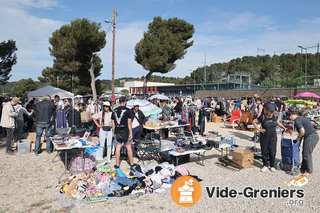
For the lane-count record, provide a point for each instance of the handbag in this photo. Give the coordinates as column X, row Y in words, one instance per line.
column 106, row 128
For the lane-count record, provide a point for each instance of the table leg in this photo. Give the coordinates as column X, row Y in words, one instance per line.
column 82, row 161
column 55, row 157
column 203, row 158
column 66, row 165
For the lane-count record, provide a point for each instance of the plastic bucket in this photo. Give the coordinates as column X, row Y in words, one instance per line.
column 24, row 146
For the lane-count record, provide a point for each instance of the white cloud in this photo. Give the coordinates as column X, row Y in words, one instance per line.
column 46, row 4
column 219, row 37
column 222, row 22
column 248, row 20
column 31, row 35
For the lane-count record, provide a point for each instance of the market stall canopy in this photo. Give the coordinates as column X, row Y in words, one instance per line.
column 145, row 106
column 52, row 91
column 108, row 94
column 301, row 102
column 159, row 96
column 78, row 96
column 307, row 95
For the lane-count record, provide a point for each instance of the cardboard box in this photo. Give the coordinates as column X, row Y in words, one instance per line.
column 30, row 135
column 94, row 139
column 43, row 145
column 216, row 119
column 243, row 157
column 86, row 117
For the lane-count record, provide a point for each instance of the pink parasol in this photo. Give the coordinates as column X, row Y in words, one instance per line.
column 307, row 95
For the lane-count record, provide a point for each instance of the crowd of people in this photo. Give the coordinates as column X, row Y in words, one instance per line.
column 123, row 126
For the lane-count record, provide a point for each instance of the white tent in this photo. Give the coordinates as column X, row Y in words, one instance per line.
column 52, row 91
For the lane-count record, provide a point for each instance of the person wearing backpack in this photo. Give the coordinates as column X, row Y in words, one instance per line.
column 268, row 136
column 139, row 119
column 122, row 126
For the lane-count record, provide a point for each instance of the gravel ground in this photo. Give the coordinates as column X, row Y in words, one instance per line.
column 26, row 181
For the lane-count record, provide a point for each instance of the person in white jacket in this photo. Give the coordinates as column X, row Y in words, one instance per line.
column 9, row 115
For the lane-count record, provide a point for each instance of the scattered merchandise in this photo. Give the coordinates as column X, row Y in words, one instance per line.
column 103, row 183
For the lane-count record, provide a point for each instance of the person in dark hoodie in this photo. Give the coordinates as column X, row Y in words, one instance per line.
column 139, row 119
column 178, row 107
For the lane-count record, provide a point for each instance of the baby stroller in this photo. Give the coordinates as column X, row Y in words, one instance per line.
column 290, row 156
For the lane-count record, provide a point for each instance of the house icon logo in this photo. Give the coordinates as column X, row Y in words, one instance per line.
column 186, row 191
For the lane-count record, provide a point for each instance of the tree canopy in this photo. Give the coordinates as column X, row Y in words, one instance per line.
column 287, row 71
column 75, row 50
column 23, row 87
column 163, row 44
column 8, row 58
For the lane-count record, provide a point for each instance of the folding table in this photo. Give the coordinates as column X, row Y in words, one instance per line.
column 65, row 148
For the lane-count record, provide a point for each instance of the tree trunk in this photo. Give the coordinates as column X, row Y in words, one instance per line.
column 93, row 79
column 145, row 84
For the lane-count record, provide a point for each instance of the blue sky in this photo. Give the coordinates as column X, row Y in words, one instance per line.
column 223, row 29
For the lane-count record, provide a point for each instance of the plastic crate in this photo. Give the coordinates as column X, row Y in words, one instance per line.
column 24, row 146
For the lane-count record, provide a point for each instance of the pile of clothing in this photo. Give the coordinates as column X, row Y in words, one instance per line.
column 104, row 183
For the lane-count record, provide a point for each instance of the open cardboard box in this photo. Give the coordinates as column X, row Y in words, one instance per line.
column 243, row 157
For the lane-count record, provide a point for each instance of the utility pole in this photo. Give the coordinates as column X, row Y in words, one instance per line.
column 205, row 70
column 113, row 48
column 318, row 65
column 274, row 66
column 234, row 74
column 218, row 77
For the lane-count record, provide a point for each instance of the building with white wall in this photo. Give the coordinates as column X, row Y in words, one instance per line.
column 136, row 87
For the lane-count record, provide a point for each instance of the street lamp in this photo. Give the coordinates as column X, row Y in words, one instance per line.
column 194, row 83
column 305, row 71
column 113, row 48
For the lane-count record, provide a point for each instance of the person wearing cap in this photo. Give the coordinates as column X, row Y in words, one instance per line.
column 268, row 136
column 310, row 139
column 105, row 131
column 8, row 121
column 139, row 119
column 122, row 126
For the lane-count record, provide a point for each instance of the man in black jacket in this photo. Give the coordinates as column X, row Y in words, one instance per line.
column 44, row 112
column 139, row 119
